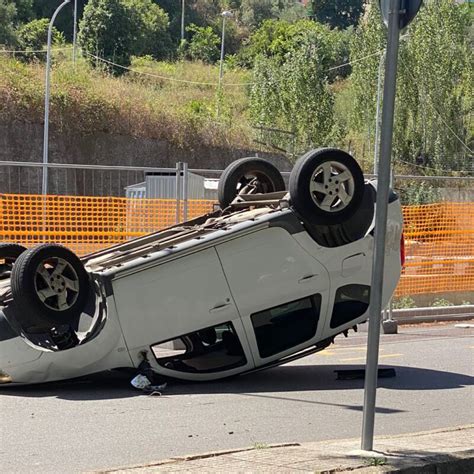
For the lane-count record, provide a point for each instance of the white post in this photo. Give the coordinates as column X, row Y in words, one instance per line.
column 182, row 20
column 44, row 188
column 74, row 35
column 224, row 14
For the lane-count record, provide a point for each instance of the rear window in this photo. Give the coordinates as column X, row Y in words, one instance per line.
column 285, row 326
column 350, row 302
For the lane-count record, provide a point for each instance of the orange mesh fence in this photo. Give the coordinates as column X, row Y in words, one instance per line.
column 439, row 237
column 439, row 245
column 86, row 224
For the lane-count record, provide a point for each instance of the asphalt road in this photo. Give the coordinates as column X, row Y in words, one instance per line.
column 100, row 423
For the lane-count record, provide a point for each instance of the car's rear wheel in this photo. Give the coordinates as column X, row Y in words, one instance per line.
column 50, row 286
column 9, row 252
column 326, row 186
column 248, row 176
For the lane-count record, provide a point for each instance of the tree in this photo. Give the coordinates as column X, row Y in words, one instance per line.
column 434, row 85
column 337, row 13
column 24, row 11
column 108, row 30
column 34, row 36
column 64, row 21
column 7, row 18
column 290, row 91
column 204, row 44
column 151, row 24
column 117, row 29
column 278, row 38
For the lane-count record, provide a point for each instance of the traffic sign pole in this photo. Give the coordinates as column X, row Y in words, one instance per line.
column 381, row 209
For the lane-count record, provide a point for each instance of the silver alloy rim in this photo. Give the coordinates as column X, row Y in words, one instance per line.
column 56, row 284
column 332, row 186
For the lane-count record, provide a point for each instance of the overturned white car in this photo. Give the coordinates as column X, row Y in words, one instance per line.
column 269, row 277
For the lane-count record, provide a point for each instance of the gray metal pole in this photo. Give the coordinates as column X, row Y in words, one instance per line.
column 221, row 64
column 185, row 191
column 74, row 35
column 44, row 188
column 178, row 191
column 182, row 19
column 380, row 227
column 377, row 115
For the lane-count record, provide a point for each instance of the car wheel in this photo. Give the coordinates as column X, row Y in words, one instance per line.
column 248, row 176
column 8, row 254
column 49, row 285
column 326, row 186
column 354, row 228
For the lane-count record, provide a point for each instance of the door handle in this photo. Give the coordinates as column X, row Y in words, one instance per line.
column 219, row 307
column 307, row 278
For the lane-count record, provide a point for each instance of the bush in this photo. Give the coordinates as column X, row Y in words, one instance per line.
column 204, row 44
column 34, row 36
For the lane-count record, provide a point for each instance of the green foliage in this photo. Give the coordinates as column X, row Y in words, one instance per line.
column 441, row 302
column 204, row 44
column 278, row 38
column 337, row 13
column 34, row 36
column 434, row 85
column 151, row 27
column 24, row 10
column 293, row 94
column 7, row 18
column 64, row 21
column 108, row 30
column 418, row 192
column 404, row 302
column 254, row 12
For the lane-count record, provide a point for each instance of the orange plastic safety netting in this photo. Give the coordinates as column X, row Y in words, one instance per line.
column 439, row 246
column 439, row 237
column 86, row 224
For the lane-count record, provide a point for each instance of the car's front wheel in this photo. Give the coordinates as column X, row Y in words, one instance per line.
column 326, row 186
column 50, row 286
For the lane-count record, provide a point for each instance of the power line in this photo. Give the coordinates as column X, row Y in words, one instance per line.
column 237, row 84
column 441, row 170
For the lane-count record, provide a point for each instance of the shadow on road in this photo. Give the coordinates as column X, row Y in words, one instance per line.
column 289, row 378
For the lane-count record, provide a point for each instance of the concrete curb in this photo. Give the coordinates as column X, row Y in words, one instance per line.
column 433, row 314
column 442, row 451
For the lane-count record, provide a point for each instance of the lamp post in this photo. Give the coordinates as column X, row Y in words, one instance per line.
column 74, row 35
column 44, row 187
column 182, row 20
column 225, row 14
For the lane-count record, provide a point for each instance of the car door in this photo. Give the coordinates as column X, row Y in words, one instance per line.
column 184, row 303
column 280, row 291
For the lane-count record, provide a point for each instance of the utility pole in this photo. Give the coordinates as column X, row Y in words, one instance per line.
column 182, row 19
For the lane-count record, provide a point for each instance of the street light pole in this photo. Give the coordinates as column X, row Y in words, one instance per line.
column 74, row 35
column 182, row 20
column 224, row 14
column 44, row 187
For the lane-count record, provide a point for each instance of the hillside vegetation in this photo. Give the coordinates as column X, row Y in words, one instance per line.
column 86, row 100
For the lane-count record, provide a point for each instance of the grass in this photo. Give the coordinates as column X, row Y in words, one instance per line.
column 87, row 100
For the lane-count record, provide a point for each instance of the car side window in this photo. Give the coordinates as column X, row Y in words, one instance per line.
column 350, row 302
column 287, row 325
column 208, row 350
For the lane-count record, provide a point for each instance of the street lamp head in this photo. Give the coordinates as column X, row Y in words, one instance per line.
column 227, row 14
